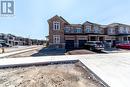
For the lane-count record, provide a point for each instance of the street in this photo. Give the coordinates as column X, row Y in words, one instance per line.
column 38, row 50
column 23, row 51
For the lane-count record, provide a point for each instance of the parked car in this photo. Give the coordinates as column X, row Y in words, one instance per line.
column 123, row 46
column 5, row 45
column 94, row 45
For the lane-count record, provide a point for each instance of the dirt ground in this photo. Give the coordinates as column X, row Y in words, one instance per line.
column 63, row 75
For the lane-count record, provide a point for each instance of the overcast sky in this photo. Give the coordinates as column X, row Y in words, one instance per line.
column 31, row 16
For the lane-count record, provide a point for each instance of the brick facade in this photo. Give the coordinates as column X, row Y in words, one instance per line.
column 76, row 34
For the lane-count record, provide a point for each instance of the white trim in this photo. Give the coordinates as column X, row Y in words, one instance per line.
column 88, row 29
column 56, row 39
column 56, row 25
column 121, row 29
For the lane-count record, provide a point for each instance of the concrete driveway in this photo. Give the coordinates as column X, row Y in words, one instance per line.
column 113, row 69
column 79, row 52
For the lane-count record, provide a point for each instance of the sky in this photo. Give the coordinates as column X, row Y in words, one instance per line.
column 30, row 19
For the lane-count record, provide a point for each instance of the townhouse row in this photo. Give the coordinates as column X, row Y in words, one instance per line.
column 62, row 34
column 13, row 40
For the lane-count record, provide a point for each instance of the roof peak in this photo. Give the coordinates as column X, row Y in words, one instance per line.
column 60, row 17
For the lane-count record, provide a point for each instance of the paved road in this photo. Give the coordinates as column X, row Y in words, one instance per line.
column 115, row 50
column 105, row 51
column 16, row 48
column 50, row 52
column 79, row 52
column 20, row 51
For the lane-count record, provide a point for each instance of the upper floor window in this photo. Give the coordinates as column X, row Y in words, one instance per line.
column 67, row 29
column 88, row 29
column 56, row 25
column 72, row 31
column 126, row 30
column 121, row 30
column 96, row 29
column 111, row 31
column 78, row 30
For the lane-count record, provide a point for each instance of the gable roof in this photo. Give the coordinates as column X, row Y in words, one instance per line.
column 64, row 19
column 59, row 17
column 90, row 23
column 117, row 24
column 103, row 26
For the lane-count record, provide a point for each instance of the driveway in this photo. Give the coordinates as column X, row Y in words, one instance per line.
column 79, row 52
column 50, row 52
column 115, row 50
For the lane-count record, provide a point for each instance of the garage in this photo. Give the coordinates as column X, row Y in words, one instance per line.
column 81, row 43
column 93, row 38
column 101, row 39
column 69, row 44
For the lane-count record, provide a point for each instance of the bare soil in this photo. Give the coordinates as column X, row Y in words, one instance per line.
column 62, row 75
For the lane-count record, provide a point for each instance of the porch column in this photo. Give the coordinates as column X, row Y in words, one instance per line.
column 76, row 42
column 98, row 38
column 122, row 38
column 88, row 38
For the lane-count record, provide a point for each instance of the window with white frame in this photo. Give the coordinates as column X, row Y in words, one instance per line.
column 96, row 29
column 67, row 29
column 111, row 31
column 121, row 30
column 78, row 30
column 72, row 31
column 88, row 29
column 56, row 25
column 56, row 39
column 126, row 30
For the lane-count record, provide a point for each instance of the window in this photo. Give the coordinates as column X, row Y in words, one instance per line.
column 126, row 30
column 88, row 29
column 56, row 25
column 78, row 30
column 72, row 31
column 56, row 39
column 121, row 30
column 67, row 29
column 110, row 30
column 96, row 29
